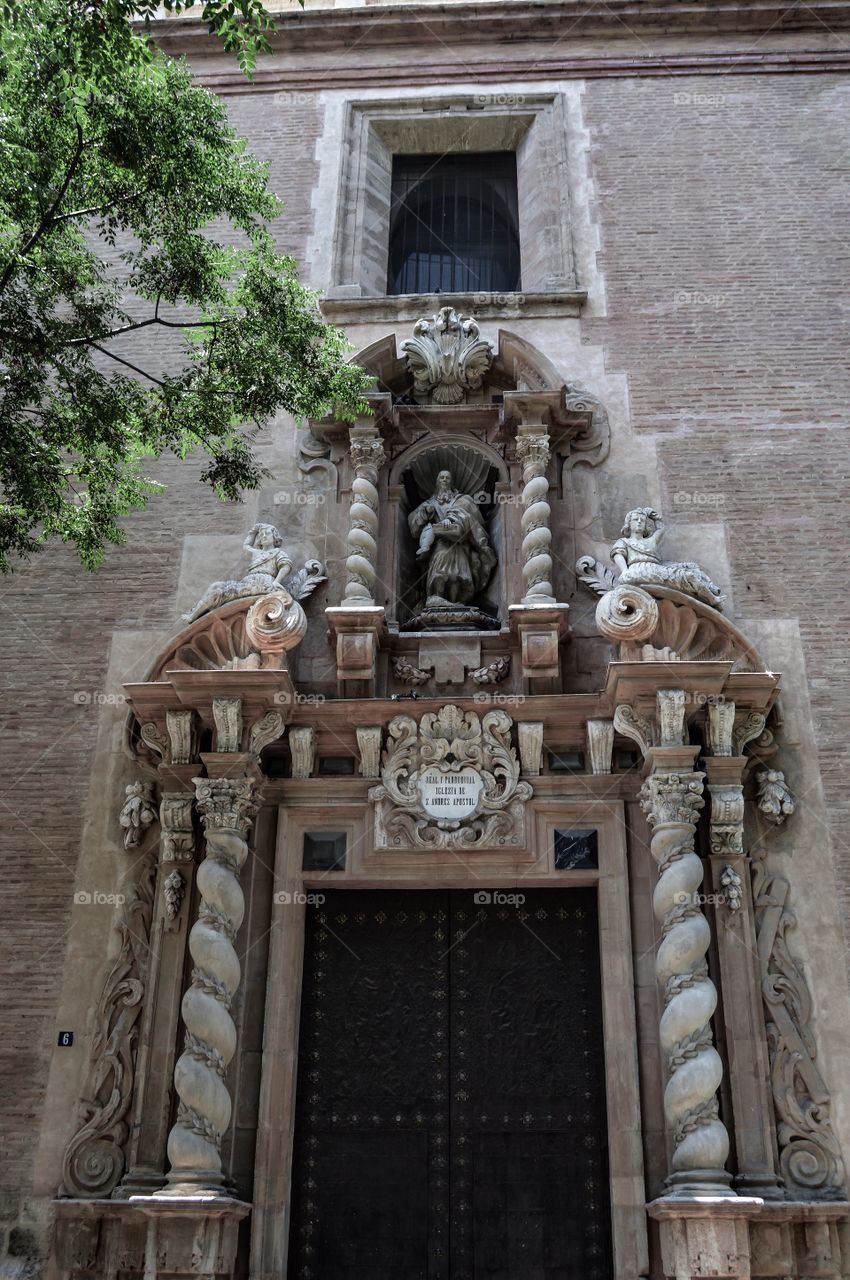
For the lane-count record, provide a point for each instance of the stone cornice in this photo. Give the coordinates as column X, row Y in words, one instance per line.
column 543, row 24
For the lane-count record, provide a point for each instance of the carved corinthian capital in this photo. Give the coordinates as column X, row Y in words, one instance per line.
column 227, row 809
column 672, row 803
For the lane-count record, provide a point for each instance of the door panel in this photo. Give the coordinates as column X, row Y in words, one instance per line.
column 450, row 1120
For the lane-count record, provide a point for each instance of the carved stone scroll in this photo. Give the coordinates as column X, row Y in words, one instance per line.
column 227, row 714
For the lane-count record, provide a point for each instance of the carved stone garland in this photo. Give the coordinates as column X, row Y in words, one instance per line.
column 672, row 803
column 367, row 456
column 450, row 745
column 227, row 809
column 94, row 1158
column 532, row 451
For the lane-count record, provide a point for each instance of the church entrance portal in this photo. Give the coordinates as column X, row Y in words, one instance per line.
column 450, row 1118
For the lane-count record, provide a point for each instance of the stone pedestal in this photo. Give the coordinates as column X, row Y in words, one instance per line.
column 356, row 632
column 704, row 1237
column 147, row 1238
column 540, row 628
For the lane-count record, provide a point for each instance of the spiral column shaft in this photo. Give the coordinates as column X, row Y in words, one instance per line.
column 532, row 451
column 367, row 456
column 227, row 808
column 672, row 803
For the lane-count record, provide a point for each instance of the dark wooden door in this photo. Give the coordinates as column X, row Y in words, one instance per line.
column 450, row 1113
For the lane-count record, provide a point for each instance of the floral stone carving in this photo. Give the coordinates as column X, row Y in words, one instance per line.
column 809, row 1154
column 94, row 1158
column 450, row 781
column 637, row 557
column 775, row 800
column 137, row 812
column 447, row 357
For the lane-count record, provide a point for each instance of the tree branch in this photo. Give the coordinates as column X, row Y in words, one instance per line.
column 48, row 217
column 97, row 208
column 134, row 367
column 144, row 324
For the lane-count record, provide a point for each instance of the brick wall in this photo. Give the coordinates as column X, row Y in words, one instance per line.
column 722, row 208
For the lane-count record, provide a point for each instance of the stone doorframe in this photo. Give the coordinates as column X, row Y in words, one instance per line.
column 306, row 805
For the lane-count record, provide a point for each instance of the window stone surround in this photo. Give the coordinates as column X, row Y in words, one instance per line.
column 533, row 126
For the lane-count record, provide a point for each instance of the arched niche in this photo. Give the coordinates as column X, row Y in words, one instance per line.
column 478, row 469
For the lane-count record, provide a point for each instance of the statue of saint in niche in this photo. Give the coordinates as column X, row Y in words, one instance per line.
column 453, row 540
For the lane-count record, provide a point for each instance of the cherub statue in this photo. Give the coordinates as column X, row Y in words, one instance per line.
column 271, row 570
column 775, row 801
column 636, row 555
column 137, row 812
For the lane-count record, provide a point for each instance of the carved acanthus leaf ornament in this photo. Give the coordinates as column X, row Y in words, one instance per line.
column 447, row 357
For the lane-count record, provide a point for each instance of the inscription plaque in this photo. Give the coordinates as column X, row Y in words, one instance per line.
column 450, row 795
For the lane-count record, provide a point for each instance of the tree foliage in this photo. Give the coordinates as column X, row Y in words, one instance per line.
column 127, row 204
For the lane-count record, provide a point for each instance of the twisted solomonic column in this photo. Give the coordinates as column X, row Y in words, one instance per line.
column 532, row 451
column 672, row 803
column 367, row 455
column 227, row 808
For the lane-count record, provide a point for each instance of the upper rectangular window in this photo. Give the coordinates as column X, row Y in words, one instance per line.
column 454, row 224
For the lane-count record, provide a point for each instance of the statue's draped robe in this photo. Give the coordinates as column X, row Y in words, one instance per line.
column 462, row 559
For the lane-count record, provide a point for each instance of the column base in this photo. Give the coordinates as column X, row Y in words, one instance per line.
column 148, row 1238
column 698, row 1183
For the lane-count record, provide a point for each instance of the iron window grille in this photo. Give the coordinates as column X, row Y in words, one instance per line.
column 453, row 224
